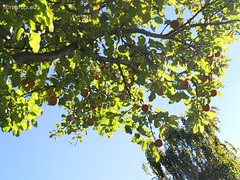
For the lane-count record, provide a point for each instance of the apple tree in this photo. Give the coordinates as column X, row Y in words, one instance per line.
column 96, row 58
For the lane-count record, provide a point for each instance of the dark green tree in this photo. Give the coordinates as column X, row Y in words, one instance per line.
column 189, row 155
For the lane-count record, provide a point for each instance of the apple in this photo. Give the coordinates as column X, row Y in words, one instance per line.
column 76, row 111
column 213, row 92
column 133, row 43
column 31, row 83
column 158, row 142
column 90, row 121
column 217, row 54
column 209, row 57
column 185, row 84
column 175, row 24
column 127, row 86
column 93, row 105
column 206, row 107
column 121, row 97
column 97, row 77
column 160, row 93
column 210, row 78
column 24, row 82
column 182, row 47
column 105, row 92
column 80, row 18
column 145, row 108
column 113, row 78
column 183, row 60
column 205, row 78
column 85, row 93
column 69, row 118
column 52, row 101
column 202, row 94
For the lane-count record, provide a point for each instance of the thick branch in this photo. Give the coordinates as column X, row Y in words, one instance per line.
column 27, row 57
column 214, row 24
column 150, row 34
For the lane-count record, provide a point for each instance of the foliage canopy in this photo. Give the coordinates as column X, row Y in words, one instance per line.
column 116, row 49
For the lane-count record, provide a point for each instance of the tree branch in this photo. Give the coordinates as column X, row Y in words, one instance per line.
column 214, row 24
column 148, row 33
column 27, row 57
column 118, row 61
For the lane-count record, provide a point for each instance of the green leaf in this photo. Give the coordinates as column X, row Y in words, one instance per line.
column 152, row 96
column 143, row 145
column 32, row 25
column 158, row 20
column 16, row 79
column 128, row 129
column 109, row 41
column 158, row 110
column 37, row 110
column 34, row 41
column 24, row 124
column 195, row 128
column 19, row 34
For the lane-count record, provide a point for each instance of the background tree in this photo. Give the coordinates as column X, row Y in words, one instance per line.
column 95, row 59
column 187, row 155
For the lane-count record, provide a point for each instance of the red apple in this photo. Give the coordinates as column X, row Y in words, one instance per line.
column 105, row 92
column 24, row 82
column 205, row 78
column 175, row 24
column 183, row 60
column 69, row 118
column 127, row 86
column 213, row 92
column 52, row 101
column 185, row 84
column 133, row 43
column 76, row 111
column 202, row 94
column 206, row 107
column 145, row 108
column 209, row 57
column 160, row 93
column 93, row 105
column 80, row 18
column 217, row 54
column 85, row 93
column 31, row 83
column 158, row 142
column 121, row 97
column 96, row 76
column 90, row 121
